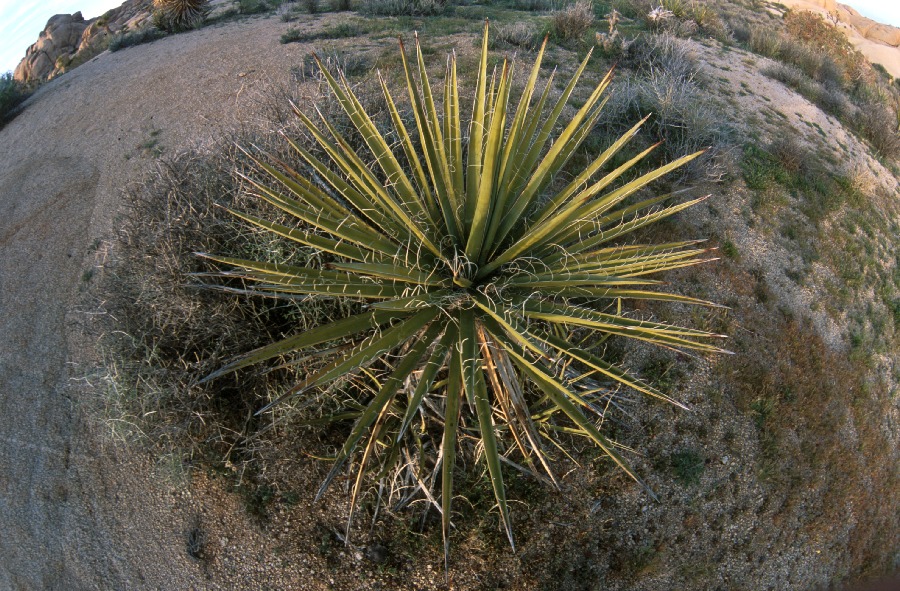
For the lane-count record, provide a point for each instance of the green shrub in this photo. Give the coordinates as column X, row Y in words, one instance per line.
column 829, row 97
column 667, row 85
column 252, row 6
column 678, row 8
column 730, row 250
column 518, row 34
column 824, row 40
column 133, row 38
column 533, row 5
column 764, row 41
column 339, row 31
column 349, row 63
column 468, row 277
column 688, row 466
column 12, row 94
column 875, row 122
column 405, row 7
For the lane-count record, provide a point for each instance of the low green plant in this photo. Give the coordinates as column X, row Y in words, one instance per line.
column 132, row 38
column 252, row 6
column 730, row 250
column 679, row 8
column 485, row 291
column 294, row 35
column 687, row 466
column 573, row 21
column 405, row 7
column 339, row 31
column 518, row 34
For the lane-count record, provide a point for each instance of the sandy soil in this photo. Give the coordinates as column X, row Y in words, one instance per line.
column 76, row 513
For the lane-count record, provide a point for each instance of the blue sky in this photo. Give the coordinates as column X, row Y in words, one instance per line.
column 883, row 11
column 22, row 20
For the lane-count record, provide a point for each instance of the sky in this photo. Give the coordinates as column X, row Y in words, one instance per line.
column 22, row 20
column 883, row 11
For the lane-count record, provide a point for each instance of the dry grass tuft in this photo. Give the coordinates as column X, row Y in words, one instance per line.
column 573, row 21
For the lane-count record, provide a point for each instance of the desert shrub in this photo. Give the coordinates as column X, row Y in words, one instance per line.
column 350, row 63
column 533, row 5
column 518, row 34
column 832, row 99
column 573, row 21
column 633, row 9
column 611, row 42
column 286, row 12
column 12, row 94
column 179, row 15
column 662, row 53
column 801, row 55
column 823, row 39
column 169, row 330
column 859, row 178
column 339, row 31
column 405, row 7
column 687, row 466
column 765, row 41
column 678, row 8
column 793, row 77
column 660, row 19
column 666, row 84
column 828, row 97
column 717, row 28
column 741, row 32
column 789, row 152
column 311, row 6
column 461, row 288
column 830, row 72
column 252, row 6
column 132, row 38
column 294, row 35
column 878, row 124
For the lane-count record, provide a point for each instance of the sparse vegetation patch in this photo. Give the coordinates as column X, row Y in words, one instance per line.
column 12, row 94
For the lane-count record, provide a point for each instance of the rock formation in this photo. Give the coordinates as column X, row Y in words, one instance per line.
column 872, row 30
column 70, row 39
column 61, row 37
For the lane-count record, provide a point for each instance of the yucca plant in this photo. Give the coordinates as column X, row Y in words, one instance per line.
column 179, row 15
column 474, row 270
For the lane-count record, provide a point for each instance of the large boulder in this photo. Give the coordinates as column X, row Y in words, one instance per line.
column 60, row 38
